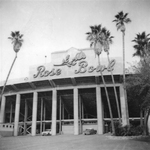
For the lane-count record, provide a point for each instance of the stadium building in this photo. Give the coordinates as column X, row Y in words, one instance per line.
column 67, row 96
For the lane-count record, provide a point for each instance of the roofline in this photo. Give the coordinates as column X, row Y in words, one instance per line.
column 64, row 51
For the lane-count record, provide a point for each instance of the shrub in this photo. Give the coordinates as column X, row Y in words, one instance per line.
column 128, row 130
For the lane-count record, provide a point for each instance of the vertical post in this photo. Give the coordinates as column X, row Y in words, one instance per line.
column 25, row 116
column 63, row 111
column 41, row 115
column 54, row 111
column 2, row 112
column 141, row 117
column 11, row 108
column 80, row 113
column 60, row 115
column 99, row 111
column 17, row 110
column 103, row 110
column 123, row 106
column 75, row 99
column 34, row 113
column 44, row 114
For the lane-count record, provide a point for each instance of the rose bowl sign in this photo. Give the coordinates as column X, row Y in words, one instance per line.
column 76, row 63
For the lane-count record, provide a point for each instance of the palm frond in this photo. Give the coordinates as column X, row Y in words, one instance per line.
column 91, row 44
column 117, row 16
column 118, row 23
column 10, row 38
column 88, row 33
column 13, row 34
column 115, row 20
column 128, row 20
column 119, row 26
column 126, row 14
column 21, row 36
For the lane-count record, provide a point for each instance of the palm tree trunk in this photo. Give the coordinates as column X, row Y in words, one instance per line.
column 124, row 82
column 141, row 117
column 146, row 114
column 7, row 77
column 117, row 101
column 108, row 100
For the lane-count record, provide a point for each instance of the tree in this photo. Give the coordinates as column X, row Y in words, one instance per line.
column 107, row 41
column 138, row 87
column 96, row 37
column 17, row 40
column 121, row 19
column 140, row 81
column 142, row 45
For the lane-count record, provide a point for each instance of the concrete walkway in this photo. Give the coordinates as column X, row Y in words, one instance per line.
column 72, row 142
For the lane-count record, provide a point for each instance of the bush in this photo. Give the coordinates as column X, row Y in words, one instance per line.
column 127, row 130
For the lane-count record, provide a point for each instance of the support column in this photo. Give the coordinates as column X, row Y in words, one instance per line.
column 2, row 111
column 82, row 111
column 25, row 116
column 54, row 111
column 123, row 107
column 75, row 99
column 34, row 113
column 41, row 115
column 17, row 110
column 99, row 111
column 11, row 108
column 60, row 111
column 44, row 115
column 63, row 111
column 80, row 115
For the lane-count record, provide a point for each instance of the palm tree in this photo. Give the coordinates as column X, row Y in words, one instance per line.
column 142, row 47
column 121, row 19
column 96, row 37
column 142, row 43
column 107, row 42
column 17, row 40
column 138, row 86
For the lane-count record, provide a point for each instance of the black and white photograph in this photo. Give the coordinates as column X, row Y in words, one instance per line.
column 74, row 74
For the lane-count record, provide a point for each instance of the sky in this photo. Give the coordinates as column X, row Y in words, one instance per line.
column 50, row 26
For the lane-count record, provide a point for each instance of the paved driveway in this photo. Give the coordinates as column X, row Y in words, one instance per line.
column 72, row 142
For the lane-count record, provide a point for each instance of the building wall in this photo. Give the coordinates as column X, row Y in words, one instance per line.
column 6, row 130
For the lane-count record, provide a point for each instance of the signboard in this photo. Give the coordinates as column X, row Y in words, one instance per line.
column 76, row 63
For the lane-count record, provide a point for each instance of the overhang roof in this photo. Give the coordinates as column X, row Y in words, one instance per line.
column 77, row 81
